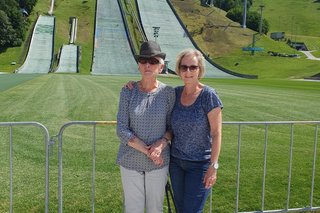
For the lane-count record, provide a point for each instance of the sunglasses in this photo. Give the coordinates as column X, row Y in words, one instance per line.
column 151, row 61
column 192, row 68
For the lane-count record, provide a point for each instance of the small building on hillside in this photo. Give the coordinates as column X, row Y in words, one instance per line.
column 301, row 46
column 277, row 35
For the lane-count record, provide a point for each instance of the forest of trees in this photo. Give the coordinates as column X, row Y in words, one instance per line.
column 13, row 21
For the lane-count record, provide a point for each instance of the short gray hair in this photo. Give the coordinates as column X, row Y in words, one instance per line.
column 161, row 61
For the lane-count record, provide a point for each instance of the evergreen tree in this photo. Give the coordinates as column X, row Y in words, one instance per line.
column 12, row 24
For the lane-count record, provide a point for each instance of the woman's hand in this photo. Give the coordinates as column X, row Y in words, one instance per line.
column 210, row 177
column 155, row 149
column 129, row 85
column 158, row 161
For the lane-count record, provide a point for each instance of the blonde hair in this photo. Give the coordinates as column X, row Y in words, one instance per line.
column 192, row 52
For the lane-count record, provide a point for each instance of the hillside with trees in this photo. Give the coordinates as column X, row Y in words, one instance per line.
column 14, row 21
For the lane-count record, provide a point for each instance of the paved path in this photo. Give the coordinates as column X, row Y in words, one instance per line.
column 310, row 56
column 112, row 52
column 172, row 37
column 40, row 52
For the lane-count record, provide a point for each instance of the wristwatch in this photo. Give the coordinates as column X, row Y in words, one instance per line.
column 214, row 165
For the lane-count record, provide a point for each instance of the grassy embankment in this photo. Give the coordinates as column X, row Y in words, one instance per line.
column 55, row 99
column 223, row 39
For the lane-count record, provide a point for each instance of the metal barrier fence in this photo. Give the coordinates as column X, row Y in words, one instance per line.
column 238, row 125
column 60, row 137
column 46, row 142
column 266, row 126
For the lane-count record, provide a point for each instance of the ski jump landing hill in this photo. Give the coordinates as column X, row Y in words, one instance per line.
column 40, row 54
column 112, row 51
column 113, row 54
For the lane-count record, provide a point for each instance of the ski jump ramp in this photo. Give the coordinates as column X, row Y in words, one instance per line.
column 171, row 36
column 112, row 52
column 68, row 62
column 40, row 52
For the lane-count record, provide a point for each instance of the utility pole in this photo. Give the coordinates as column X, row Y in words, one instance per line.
column 244, row 14
column 261, row 20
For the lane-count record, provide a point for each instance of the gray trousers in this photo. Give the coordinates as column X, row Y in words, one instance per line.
column 144, row 190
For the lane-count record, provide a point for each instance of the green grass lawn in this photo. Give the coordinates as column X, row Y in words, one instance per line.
column 55, row 99
column 294, row 17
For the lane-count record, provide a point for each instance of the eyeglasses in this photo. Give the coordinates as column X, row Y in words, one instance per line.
column 192, row 68
column 151, row 61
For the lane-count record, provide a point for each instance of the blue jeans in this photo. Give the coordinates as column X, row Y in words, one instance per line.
column 187, row 184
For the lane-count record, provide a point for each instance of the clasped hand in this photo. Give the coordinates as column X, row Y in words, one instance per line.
column 155, row 151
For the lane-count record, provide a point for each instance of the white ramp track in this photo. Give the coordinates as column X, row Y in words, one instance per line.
column 172, row 37
column 68, row 59
column 40, row 52
column 112, row 52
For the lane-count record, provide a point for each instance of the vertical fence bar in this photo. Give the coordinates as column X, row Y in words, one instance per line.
column 238, row 173
column 290, row 167
column 264, row 167
column 93, row 165
column 11, row 172
column 314, row 164
column 210, row 203
column 60, row 173
column 47, row 138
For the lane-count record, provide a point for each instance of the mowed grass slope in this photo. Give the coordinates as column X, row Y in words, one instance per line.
column 56, row 99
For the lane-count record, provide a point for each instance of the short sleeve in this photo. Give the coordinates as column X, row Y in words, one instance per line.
column 210, row 100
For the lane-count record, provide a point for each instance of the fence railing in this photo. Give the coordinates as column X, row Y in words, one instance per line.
column 265, row 126
column 60, row 138
column 10, row 125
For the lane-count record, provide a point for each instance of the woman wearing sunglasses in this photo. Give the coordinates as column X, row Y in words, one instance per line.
column 143, row 119
column 196, row 125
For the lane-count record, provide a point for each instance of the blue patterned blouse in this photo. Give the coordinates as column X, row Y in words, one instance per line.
column 190, row 125
column 147, row 116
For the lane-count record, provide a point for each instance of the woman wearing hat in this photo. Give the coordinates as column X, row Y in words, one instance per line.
column 143, row 119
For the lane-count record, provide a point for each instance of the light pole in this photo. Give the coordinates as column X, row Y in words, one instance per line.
column 244, row 21
column 260, row 27
column 156, row 32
